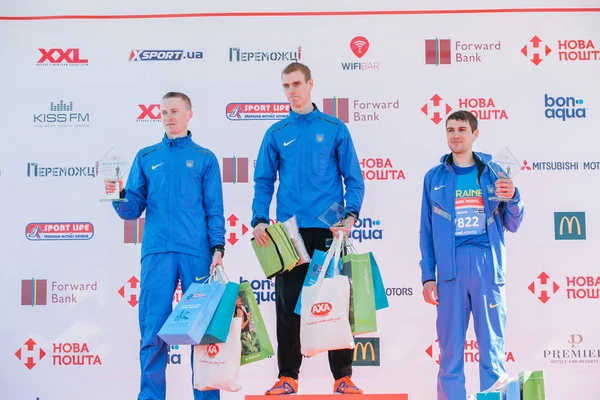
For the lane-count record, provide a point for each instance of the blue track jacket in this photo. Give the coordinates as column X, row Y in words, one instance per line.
column 178, row 183
column 438, row 219
column 311, row 152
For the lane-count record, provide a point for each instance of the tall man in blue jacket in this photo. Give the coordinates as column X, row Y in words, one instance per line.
column 178, row 183
column 462, row 239
column 311, row 152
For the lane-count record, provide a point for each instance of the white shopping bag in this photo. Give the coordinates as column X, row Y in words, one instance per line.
column 217, row 365
column 324, row 319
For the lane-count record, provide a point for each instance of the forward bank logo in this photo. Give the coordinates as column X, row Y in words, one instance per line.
column 134, row 230
column 366, row 352
column 569, row 226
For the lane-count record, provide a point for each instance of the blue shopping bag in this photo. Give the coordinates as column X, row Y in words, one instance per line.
column 220, row 324
column 190, row 318
column 513, row 391
column 381, row 300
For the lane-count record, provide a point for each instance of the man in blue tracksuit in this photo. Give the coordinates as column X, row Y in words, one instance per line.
column 312, row 152
column 462, row 248
column 178, row 184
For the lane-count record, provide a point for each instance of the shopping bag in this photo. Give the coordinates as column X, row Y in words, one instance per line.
column 192, row 315
column 324, row 323
column 363, row 315
column 291, row 227
column 381, row 300
column 256, row 344
column 317, row 261
column 279, row 255
column 217, row 365
column 512, row 391
column 532, row 385
column 219, row 326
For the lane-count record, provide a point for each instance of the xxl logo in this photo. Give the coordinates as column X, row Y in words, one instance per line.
column 130, row 291
column 437, row 51
column 543, row 287
column 37, row 231
column 133, row 230
column 367, row 229
column 61, row 57
column 563, row 108
column 256, row 111
column 362, row 111
column 436, row 109
column 536, row 50
column 366, row 352
column 233, row 229
column 150, row 113
column 235, row 170
column 212, row 350
column 321, row 309
column 163, row 55
column 569, row 226
column 30, row 353
column 34, row 292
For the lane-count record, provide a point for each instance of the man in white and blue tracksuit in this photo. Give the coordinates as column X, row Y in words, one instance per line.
column 314, row 158
column 178, row 184
column 463, row 255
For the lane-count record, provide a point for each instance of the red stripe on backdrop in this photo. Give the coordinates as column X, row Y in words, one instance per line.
column 305, row 14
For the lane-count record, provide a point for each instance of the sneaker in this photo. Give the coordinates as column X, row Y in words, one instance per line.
column 346, row 386
column 285, row 385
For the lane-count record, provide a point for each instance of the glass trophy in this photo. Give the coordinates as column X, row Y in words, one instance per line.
column 113, row 168
column 334, row 215
column 505, row 166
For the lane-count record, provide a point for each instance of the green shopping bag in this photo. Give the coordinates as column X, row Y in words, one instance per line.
column 256, row 344
column 363, row 315
column 532, row 385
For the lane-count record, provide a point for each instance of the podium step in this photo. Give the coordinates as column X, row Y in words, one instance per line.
column 344, row 397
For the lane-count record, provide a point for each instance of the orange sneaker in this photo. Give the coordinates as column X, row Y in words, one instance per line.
column 285, row 385
column 346, row 386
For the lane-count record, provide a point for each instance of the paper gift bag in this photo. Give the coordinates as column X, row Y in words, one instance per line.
column 190, row 318
column 532, row 385
column 219, row 327
column 363, row 315
column 256, row 344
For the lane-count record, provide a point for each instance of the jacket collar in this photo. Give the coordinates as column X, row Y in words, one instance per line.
column 178, row 142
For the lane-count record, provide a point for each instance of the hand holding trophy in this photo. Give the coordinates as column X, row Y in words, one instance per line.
column 113, row 168
column 505, row 166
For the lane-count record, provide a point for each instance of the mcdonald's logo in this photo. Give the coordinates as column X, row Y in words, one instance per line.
column 569, row 226
column 366, row 352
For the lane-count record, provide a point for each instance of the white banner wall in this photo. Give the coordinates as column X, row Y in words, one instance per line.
column 74, row 88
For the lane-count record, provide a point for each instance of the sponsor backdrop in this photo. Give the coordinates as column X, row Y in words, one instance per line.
column 73, row 89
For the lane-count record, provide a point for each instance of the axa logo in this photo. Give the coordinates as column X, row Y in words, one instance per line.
column 130, row 291
column 436, row 109
column 569, row 226
column 438, row 51
column 134, row 230
column 30, row 353
column 564, row 108
column 366, row 352
column 212, row 350
column 57, row 56
column 34, row 292
column 321, row 309
column 149, row 113
column 235, row 170
column 235, row 228
column 536, row 50
column 543, row 287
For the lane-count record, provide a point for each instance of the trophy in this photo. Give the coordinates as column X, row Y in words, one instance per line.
column 505, row 166
column 113, row 167
column 334, row 215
